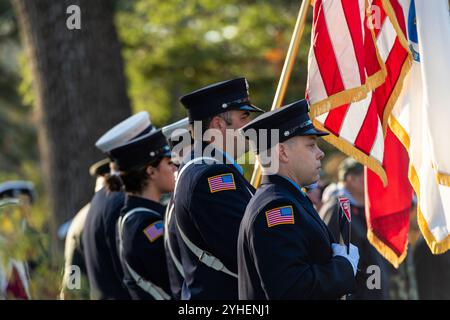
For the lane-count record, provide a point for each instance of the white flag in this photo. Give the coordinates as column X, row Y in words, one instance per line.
column 421, row 117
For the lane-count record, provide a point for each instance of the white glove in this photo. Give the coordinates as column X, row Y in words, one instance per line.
column 352, row 257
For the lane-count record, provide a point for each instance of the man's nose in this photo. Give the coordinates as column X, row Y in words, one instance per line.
column 321, row 154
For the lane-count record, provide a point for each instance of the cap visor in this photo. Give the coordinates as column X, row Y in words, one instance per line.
column 314, row 132
column 250, row 107
column 99, row 167
column 167, row 154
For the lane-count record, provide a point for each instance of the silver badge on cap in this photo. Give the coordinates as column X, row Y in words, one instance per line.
column 286, row 133
column 224, row 105
column 306, row 123
column 152, row 153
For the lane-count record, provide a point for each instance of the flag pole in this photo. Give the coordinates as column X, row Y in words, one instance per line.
column 286, row 73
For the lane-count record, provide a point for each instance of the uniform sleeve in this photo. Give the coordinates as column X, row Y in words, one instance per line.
column 110, row 225
column 148, row 256
column 217, row 207
column 282, row 257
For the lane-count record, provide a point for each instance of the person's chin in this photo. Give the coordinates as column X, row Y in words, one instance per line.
column 315, row 179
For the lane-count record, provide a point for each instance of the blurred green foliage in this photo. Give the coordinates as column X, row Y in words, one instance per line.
column 25, row 236
column 19, row 161
column 17, row 132
column 175, row 46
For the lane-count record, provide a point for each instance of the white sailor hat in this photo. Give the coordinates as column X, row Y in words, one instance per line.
column 12, row 189
column 177, row 132
column 129, row 129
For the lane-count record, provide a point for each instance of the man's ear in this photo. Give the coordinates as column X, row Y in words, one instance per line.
column 150, row 171
column 283, row 154
column 218, row 123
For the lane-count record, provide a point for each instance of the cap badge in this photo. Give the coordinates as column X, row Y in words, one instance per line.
column 306, row 123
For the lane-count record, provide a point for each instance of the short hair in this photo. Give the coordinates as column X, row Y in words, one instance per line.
column 349, row 166
column 134, row 180
column 206, row 123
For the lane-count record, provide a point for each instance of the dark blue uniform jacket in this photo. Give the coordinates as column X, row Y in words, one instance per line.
column 209, row 211
column 291, row 258
column 143, row 246
column 99, row 242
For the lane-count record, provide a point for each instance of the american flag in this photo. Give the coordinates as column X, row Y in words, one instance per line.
column 281, row 215
column 358, row 59
column 154, row 231
column 356, row 68
column 222, row 182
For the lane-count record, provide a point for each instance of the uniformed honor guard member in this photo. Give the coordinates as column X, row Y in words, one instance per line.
column 21, row 190
column 180, row 141
column 211, row 192
column 16, row 285
column 73, row 245
column 103, row 266
column 285, row 251
column 146, row 172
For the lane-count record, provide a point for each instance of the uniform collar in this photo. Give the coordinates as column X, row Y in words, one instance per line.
column 230, row 159
column 294, row 184
column 132, row 202
column 220, row 155
column 279, row 179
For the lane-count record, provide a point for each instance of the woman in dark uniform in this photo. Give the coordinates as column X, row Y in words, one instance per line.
column 146, row 173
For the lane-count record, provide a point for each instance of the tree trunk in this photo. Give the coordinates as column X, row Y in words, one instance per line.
column 80, row 93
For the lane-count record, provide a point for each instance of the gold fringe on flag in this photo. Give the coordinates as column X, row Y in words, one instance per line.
column 390, row 12
column 385, row 250
column 436, row 247
column 396, row 92
column 348, row 96
column 350, row 150
column 441, row 178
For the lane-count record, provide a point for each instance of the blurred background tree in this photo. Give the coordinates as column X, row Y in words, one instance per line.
column 79, row 90
column 17, row 132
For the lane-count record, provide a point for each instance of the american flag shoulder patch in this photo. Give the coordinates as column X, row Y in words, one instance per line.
column 221, row 182
column 154, row 230
column 280, row 215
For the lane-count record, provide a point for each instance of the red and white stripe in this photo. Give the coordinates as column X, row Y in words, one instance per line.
column 335, row 26
column 342, row 55
column 274, row 217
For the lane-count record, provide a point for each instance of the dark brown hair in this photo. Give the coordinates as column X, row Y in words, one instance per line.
column 134, row 180
column 206, row 123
